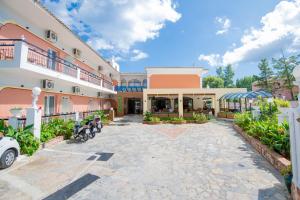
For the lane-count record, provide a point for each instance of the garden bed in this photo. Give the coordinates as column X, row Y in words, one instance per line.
column 151, row 122
column 275, row 159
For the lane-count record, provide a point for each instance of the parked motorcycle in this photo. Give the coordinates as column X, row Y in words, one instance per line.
column 81, row 133
column 95, row 125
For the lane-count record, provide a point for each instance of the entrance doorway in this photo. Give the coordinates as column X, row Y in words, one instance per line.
column 134, row 106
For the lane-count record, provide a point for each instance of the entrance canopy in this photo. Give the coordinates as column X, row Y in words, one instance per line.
column 129, row 88
column 246, row 95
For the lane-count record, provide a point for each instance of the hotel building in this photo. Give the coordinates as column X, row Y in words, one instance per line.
column 38, row 50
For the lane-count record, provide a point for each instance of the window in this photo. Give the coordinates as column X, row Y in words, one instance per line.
column 145, row 82
column 49, row 105
column 123, row 82
column 134, row 82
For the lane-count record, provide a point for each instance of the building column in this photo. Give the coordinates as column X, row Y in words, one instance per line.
column 180, row 104
column 172, row 103
column 145, row 102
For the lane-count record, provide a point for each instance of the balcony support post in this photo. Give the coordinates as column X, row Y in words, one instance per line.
column 21, row 53
column 78, row 73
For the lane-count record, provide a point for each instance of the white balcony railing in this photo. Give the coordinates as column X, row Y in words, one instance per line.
column 9, row 48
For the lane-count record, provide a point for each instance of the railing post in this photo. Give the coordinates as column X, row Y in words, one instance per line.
column 21, row 52
column 78, row 73
column 101, row 82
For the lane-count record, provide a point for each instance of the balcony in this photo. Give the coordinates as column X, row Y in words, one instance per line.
column 17, row 53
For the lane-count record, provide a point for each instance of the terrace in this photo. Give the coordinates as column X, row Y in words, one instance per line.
column 18, row 53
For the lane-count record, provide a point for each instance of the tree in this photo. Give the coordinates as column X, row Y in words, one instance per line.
column 220, row 72
column 285, row 67
column 213, row 82
column 246, row 82
column 228, row 76
column 265, row 75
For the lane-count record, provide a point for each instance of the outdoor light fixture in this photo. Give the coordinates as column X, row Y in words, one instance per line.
column 250, row 101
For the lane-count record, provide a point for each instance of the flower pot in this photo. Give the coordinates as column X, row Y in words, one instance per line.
column 16, row 112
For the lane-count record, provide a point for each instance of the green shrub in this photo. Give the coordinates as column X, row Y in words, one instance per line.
column 28, row 143
column 57, row 127
column 200, row 117
column 177, row 119
column 155, row 119
column 99, row 113
column 267, row 130
column 147, row 116
column 282, row 103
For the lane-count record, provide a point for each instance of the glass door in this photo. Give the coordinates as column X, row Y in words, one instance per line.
column 51, row 59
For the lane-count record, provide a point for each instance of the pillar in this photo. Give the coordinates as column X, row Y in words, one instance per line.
column 180, row 104
column 294, row 124
column 145, row 102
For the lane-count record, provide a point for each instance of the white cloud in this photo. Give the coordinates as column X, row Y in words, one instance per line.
column 138, row 55
column 117, row 24
column 280, row 30
column 224, row 23
column 212, row 59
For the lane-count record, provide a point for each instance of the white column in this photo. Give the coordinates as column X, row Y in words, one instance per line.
column 21, row 53
column 145, row 102
column 34, row 114
column 294, row 125
column 78, row 73
column 180, row 104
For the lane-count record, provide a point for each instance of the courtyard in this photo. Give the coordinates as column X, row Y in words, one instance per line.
column 130, row 160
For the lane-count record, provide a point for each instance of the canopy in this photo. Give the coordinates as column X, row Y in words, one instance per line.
column 246, row 95
column 129, row 88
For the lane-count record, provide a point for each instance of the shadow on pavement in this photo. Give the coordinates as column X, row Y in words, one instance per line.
column 72, row 188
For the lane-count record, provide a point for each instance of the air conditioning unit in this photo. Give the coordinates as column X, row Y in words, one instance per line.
column 110, row 96
column 110, row 75
column 51, row 36
column 76, row 52
column 48, row 84
column 76, row 90
column 100, row 68
column 99, row 94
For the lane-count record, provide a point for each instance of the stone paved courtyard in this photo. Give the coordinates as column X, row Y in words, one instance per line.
column 130, row 160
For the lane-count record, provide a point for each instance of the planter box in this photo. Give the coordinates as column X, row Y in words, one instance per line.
column 151, row 123
column 177, row 122
column 203, row 122
column 275, row 159
column 222, row 115
column 230, row 115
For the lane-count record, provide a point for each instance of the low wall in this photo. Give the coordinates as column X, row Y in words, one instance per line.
column 275, row 159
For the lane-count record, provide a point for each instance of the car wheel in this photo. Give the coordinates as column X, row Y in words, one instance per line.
column 8, row 158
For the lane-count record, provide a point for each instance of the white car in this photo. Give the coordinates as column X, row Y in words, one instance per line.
column 9, row 151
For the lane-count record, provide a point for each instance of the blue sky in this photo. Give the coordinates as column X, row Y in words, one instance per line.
column 204, row 33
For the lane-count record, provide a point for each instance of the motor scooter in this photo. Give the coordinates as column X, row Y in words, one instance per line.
column 81, row 133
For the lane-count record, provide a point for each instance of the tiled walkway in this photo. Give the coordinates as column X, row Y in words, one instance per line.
column 130, row 160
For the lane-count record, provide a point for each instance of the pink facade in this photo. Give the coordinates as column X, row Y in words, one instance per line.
column 11, row 97
column 19, row 97
column 14, row 31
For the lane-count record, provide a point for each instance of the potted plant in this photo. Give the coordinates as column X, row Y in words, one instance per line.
column 16, row 111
